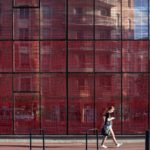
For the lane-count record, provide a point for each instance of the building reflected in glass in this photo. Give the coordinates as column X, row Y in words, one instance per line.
column 62, row 62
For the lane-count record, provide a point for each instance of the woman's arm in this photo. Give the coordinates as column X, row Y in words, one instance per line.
column 111, row 118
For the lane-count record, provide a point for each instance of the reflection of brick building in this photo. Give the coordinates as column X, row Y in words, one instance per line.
column 53, row 70
column 128, row 19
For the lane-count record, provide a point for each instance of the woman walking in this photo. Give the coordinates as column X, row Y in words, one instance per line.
column 107, row 127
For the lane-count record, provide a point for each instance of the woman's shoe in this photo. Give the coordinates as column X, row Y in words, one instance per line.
column 119, row 144
column 103, row 146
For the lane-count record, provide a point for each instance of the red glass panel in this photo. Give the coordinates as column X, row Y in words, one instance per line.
column 53, row 56
column 108, row 56
column 53, row 22
column 53, row 88
column 5, row 56
column 135, row 103
column 26, row 56
column 6, row 19
column 26, row 113
column 6, row 108
column 135, row 56
column 26, row 82
column 80, row 18
column 80, row 56
column 108, row 93
column 81, row 108
column 25, row 27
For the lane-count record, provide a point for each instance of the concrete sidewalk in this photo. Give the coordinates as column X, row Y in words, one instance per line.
column 129, row 145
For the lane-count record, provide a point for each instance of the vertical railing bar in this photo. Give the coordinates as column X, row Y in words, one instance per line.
column 42, row 136
column 30, row 140
column 86, row 147
column 97, row 139
column 86, row 138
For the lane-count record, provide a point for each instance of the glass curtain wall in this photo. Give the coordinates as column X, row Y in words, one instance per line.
column 63, row 62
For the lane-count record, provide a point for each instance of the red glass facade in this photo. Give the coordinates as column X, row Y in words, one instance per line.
column 62, row 62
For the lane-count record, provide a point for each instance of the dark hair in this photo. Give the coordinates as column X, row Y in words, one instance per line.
column 111, row 107
column 108, row 109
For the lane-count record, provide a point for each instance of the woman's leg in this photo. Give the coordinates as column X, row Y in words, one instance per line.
column 113, row 136
column 104, row 140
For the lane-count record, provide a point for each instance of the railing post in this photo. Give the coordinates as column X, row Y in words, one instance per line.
column 30, row 140
column 96, row 132
column 86, row 146
column 43, row 139
column 97, row 138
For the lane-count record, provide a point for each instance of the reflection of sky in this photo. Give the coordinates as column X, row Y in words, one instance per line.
column 140, row 19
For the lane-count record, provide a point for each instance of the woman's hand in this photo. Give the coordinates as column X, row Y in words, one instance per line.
column 112, row 118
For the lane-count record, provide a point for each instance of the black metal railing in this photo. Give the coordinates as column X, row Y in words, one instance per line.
column 87, row 133
column 42, row 134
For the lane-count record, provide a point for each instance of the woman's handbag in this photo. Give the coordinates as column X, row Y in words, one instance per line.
column 105, row 130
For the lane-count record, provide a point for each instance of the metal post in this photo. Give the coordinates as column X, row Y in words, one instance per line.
column 86, row 146
column 30, row 141
column 43, row 140
column 97, row 138
column 95, row 132
column 147, row 140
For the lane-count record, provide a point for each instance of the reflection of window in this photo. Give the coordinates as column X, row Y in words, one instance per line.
column 24, row 56
column 80, row 34
column 54, row 113
column 129, row 3
column 82, row 60
column 105, row 59
column 129, row 24
column 24, row 13
column 118, row 18
column 81, row 83
column 47, row 12
column 46, row 54
column 25, row 84
column 104, row 12
column 47, row 49
column 78, row 11
column 105, row 82
column 23, row 33
column 46, row 32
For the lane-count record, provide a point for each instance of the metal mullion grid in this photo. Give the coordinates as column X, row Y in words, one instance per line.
column 121, row 90
column 148, row 68
column 94, row 97
column 13, row 69
column 40, row 97
column 26, row 40
column 67, row 80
